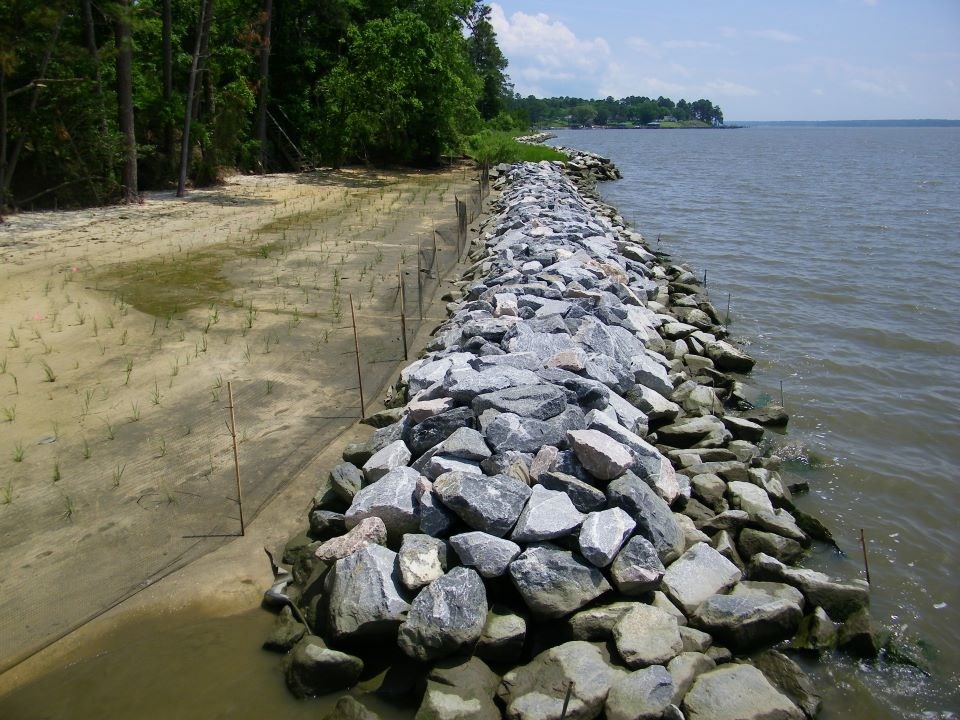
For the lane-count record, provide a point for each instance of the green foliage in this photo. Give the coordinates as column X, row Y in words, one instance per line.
column 494, row 147
column 627, row 112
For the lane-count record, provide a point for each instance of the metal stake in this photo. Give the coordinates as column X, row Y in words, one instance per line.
column 866, row 563
column 403, row 312
column 236, row 457
column 566, row 701
column 356, row 347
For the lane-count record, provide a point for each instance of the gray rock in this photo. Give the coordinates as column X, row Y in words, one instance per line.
column 437, row 428
column 726, row 357
column 816, row 632
column 488, row 503
column 745, row 622
column 653, row 516
column 684, row 669
column 465, row 443
column 637, row 569
column 596, row 624
column 601, row 455
column 769, row 416
column 748, row 497
column 346, row 479
column 554, row 582
column 365, row 595
column 651, row 374
column 503, row 636
column 710, row 490
column 325, row 524
column 640, row 695
column 422, row 560
column 488, row 554
column 312, row 668
column 285, row 633
column 731, row 520
column 723, row 543
column 392, row 499
column 840, row 600
column 691, row 536
column 444, row 702
column 420, row 410
column 858, row 636
column 508, row 431
column 737, row 692
column 699, row 573
column 584, row 496
column 464, row 384
column 548, row 514
column 536, row 691
column 783, row 549
column 789, row 679
column 540, row 401
column 437, row 465
column 348, row 708
column 743, row 429
column 695, row 640
column 603, row 534
column 647, row 636
column 467, row 674
column 691, row 431
column 435, row 519
column 386, row 459
column 447, row 615
column 656, row 407
column 370, row 531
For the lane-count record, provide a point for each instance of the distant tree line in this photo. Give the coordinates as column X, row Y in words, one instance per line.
column 100, row 99
column 631, row 110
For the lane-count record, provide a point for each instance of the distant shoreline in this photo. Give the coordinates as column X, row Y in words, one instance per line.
column 849, row 123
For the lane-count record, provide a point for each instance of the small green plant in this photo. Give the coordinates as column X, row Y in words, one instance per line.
column 161, row 446
column 7, row 493
column 134, row 412
column 155, row 395
column 68, row 507
column 56, row 471
column 10, row 413
column 269, row 387
column 128, row 368
column 110, row 433
column 118, row 474
column 49, row 374
column 3, row 365
column 85, row 449
column 18, row 452
column 123, row 337
column 12, row 340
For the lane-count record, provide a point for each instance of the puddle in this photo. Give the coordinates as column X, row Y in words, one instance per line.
column 179, row 665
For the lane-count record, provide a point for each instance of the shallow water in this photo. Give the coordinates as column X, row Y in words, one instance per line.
column 840, row 251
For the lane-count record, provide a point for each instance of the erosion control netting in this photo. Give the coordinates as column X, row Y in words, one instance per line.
column 142, row 482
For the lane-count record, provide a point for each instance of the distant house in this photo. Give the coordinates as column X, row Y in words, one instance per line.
column 668, row 118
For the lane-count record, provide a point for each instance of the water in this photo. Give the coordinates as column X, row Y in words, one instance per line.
column 840, row 251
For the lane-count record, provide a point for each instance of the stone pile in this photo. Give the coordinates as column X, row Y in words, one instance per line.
column 564, row 494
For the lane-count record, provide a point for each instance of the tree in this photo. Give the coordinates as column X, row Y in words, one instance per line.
column 263, row 92
column 488, row 61
column 583, row 114
column 125, row 99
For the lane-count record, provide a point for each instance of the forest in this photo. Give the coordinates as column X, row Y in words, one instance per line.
column 631, row 110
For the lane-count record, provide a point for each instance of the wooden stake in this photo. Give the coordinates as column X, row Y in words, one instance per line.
column 403, row 312
column 433, row 260
column 356, row 347
column 419, row 280
column 866, row 563
column 781, row 394
column 566, row 700
column 236, row 457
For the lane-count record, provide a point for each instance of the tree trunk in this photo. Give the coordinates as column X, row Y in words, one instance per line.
column 264, row 91
column 125, row 100
column 90, row 37
column 167, row 32
column 188, row 109
column 3, row 139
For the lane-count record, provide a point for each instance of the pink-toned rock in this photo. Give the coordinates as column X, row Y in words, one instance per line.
column 572, row 360
column 601, row 455
column 420, row 410
column 543, row 461
column 369, row 531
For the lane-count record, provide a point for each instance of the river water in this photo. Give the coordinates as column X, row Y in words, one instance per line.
column 839, row 249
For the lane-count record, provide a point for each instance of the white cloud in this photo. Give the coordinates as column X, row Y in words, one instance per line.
column 690, row 45
column 643, row 46
column 725, row 88
column 776, row 36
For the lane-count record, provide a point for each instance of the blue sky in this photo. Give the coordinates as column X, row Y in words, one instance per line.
column 757, row 59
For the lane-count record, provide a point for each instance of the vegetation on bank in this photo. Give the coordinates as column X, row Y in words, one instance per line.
column 493, row 146
column 629, row 111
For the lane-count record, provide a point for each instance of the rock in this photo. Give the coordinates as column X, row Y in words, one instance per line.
column 422, row 560
column 647, row 636
column 285, row 633
column 706, row 431
column 747, row 621
column 737, row 692
column 446, row 616
column 783, row 549
column 710, row 489
column 637, row 568
column 743, row 429
column 684, row 669
column 325, row 524
column 640, row 695
column 443, row 702
column 584, row 496
column 436, row 465
column 553, row 582
column 464, row 384
column 840, row 600
column 508, row 431
column 857, row 635
column 699, row 573
column 548, row 514
column 731, row 520
column 651, row 374
column 312, row 668
column 365, row 595
column 467, row 674
column 691, row 536
column 540, row 402
column 780, row 522
column 386, row 459
column 435, row 519
column 491, row 504
column 369, row 531
column 348, row 708
column 358, row 453
column 789, row 679
column 649, row 464
column 695, row 640
column 503, row 636
column 596, row 624
column 726, row 357
column 603, row 534
column 601, row 455
column 748, row 497
column 816, row 632
column 392, row 499
column 420, row 410
column 769, row 416
column 465, row 443
column 536, row 691
column 488, row 554
column 346, row 479
column 437, row 428
column 653, row 516
column 656, row 407
column 542, row 462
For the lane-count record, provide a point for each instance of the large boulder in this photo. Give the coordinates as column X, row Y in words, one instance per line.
column 541, row 402
column 422, row 560
column 537, row 690
column 637, row 569
column 447, row 615
column 488, row 503
column 503, row 636
column 554, row 582
column 789, row 679
column 603, row 534
column 647, row 636
column 437, row 428
column 365, row 595
column 737, row 692
column 699, row 573
column 548, row 514
column 584, row 496
column 509, row 431
column 369, row 531
column 748, row 620
column 839, row 599
column 600, row 454
column 392, row 498
column 640, row 695
column 394, row 455
column 312, row 668
column 653, row 516
column 488, row 554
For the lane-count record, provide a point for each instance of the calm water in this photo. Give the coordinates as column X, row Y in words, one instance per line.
column 840, row 250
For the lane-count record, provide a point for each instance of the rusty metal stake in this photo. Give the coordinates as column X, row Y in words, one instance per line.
column 419, row 280
column 236, row 457
column 866, row 563
column 356, row 347
column 566, row 701
column 403, row 311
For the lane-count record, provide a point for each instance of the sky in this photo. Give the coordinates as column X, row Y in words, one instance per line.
column 756, row 59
